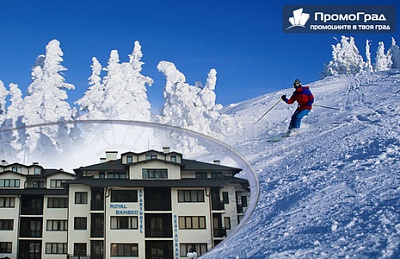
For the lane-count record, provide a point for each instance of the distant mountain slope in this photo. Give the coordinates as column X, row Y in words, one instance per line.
column 334, row 189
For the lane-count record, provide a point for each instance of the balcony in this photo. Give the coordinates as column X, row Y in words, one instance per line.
column 97, row 205
column 218, row 205
column 220, row 232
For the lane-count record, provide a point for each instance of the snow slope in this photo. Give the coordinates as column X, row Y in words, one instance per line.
column 332, row 191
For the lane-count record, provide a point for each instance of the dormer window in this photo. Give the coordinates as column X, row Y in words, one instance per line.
column 16, row 169
column 129, row 159
column 37, row 171
column 173, row 159
column 151, row 156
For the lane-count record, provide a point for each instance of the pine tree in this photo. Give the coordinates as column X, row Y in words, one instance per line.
column 125, row 93
column 382, row 61
column 394, row 55
column 14, row 115
column 368, row 64
column 46, row 101
column 136, row 86
column 3, row 95
column 181, row 99
column 91, row 102
column 346, row 59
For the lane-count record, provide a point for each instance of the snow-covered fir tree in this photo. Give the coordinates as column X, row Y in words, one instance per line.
column 346, row 58
column 14, row 115
column 135, row 86
column 394, row 54
column 368, row 63
column 382, row 61
column 182, row 107
column 192, row 107
column 125, row 88
column 5, row 135
column 91, row 102
column 46, row 102
column 3, row 95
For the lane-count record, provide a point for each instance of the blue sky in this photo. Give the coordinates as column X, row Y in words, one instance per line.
column 242, row 40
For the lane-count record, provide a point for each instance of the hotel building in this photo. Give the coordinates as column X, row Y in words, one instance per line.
column 153, row 204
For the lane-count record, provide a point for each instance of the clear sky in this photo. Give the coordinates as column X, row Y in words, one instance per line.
column 242, row 40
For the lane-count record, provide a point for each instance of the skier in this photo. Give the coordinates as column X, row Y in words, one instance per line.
column 305, row 99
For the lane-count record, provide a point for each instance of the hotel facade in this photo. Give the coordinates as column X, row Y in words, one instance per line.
column 153, row 204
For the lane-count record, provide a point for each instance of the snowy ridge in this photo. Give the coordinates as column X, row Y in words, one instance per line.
column 333, row 190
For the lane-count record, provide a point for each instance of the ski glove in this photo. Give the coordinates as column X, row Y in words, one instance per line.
column 284, row 97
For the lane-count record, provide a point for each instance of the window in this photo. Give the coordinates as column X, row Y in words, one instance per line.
column 6, row 247
column 124, row 250
column 102, row 175
column 125, row 222
column 9, row 182
column 17, row 169
column 151, row 156
column 80, row 223
column 37, row 171
column 31, row 227
column 129, row 159
column 225, row 197
column 200, row 249
column 190, row 196
column 117, row 175
column 243, row 199
column 227, row 222
column 157, row 199
column 124, row 196
column 80, row 249
column 201, row 174
column 154, row 173
column 57, row 225
column 38, row 184
column 81, row 198
column 216, row 175
column 158, row 225
column 97, row 225
column 7, row 202
column 173, row 159
column 192, row 222
column 57, row 203
column 56, row 248
column 6, row 224
column 56, row 183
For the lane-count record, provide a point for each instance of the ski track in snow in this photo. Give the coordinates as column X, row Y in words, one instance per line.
column 333, row 190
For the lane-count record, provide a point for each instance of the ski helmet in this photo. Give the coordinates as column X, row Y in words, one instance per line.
column 297, row 83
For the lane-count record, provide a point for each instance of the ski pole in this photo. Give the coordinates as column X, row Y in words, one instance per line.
column 268, row 110
column 326, row 107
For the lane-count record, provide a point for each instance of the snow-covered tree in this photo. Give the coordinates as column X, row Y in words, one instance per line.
column 382, row 61
column 368, row 64
column 3, row 95
column 14, row 115
column 46, row 101
column 136, row 86
column 182, row 106
column 346, row 59
column 125, row 88
column 394, row 55
column 191, row 107
column 91, row 102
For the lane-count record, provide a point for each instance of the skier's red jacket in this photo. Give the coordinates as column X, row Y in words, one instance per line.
column 303, row 96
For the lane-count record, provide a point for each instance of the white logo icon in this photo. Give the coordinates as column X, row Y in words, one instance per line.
column 299, row 18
